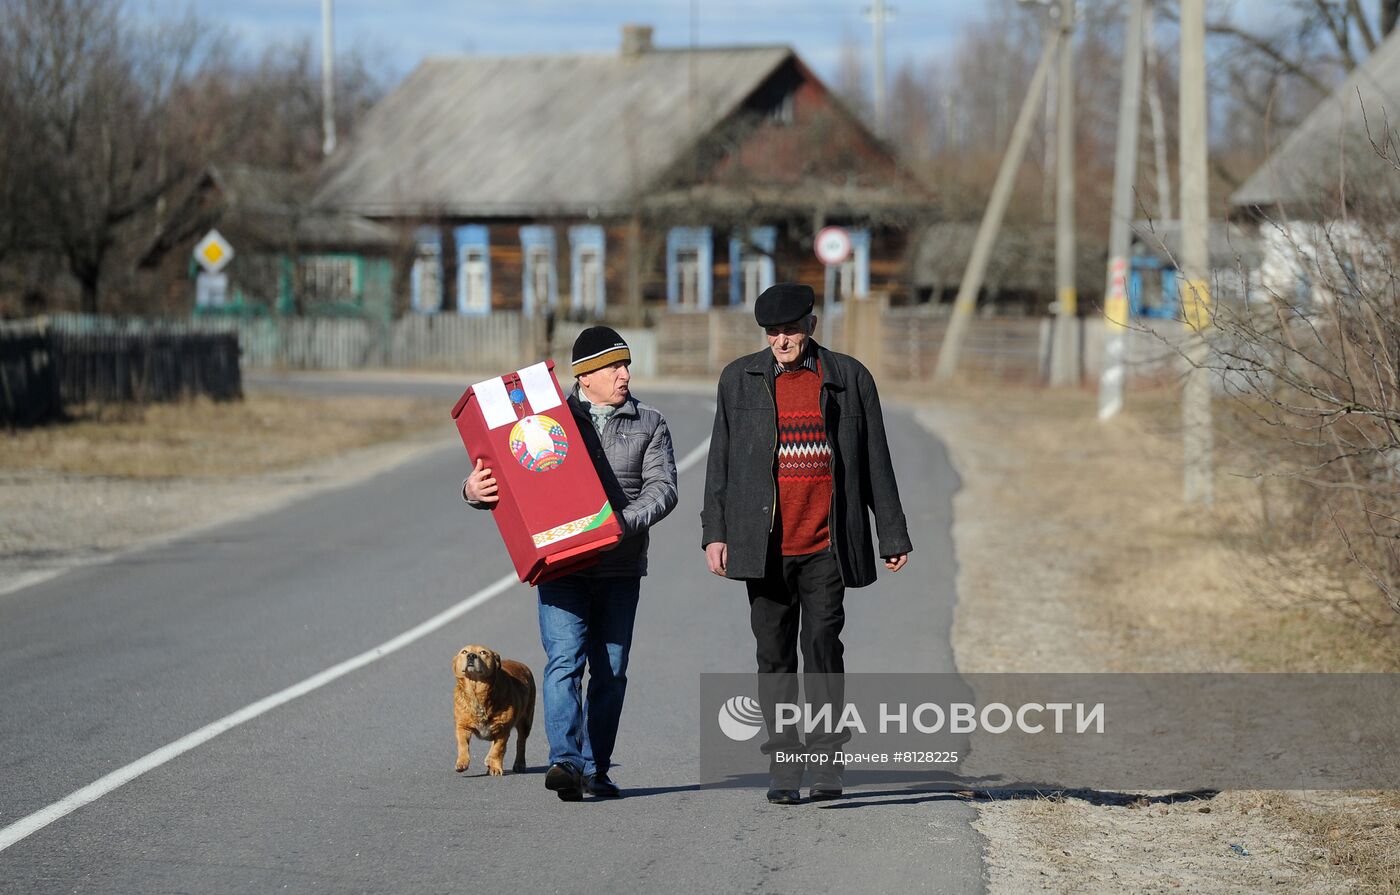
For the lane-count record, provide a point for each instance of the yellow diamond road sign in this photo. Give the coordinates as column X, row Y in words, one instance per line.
column 213, row 252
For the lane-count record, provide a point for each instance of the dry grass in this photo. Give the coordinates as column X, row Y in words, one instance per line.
column 1089, row 561
column 1165, row 587
column 264, row 432
column 1356, row 832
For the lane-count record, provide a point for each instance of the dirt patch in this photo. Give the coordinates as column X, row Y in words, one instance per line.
column 1076, row 553
column 113, row 481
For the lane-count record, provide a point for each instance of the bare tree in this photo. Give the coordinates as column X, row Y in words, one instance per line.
column 851, row 77
column 914, row 110
column 107, row 115
column 1312, row 360
column 1274, row 68
column 279, row 100
column 92, row 98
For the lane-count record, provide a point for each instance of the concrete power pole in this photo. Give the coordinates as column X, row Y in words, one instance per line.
column 991, row 218
column 877, row 13
column 1195, row 257
column 1064, row 358
column 1115, row 305
column 328, row 75
column 1165, row 210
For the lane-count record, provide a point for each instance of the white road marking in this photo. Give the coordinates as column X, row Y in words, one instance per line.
column 693, row 457
column 95, row 790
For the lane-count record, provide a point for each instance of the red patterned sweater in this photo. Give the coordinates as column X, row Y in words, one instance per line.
column 804, row 463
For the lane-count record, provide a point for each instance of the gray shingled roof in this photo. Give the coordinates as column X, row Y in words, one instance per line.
column 1334, row 139
column 267, row 207
column 1230, row 245
column 537, row 135
column 1022, row 258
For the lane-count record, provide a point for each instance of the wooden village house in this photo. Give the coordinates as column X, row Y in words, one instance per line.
column 1323, row 200
column 290, row 258
column 616, row 186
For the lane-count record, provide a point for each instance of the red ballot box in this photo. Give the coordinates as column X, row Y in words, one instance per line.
column 553, row 514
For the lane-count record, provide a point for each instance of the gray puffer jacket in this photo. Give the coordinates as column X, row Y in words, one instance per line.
column 637, row 466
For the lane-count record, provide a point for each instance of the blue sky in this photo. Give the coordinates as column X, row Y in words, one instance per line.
column 401, row 34
column 396, row 36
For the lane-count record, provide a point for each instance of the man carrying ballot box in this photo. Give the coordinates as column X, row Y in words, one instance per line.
column 586, row 617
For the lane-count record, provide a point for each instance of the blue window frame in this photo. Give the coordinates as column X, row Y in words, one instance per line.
column 751, row 272
column 689, row 266
column 587, row 267
column 540, row 274
column 473, row 269
column 1159, row 299
column 426, row 278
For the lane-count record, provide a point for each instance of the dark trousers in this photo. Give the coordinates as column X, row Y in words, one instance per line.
column 798, row 601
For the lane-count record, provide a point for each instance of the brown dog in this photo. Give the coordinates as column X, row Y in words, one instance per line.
column 493, row 696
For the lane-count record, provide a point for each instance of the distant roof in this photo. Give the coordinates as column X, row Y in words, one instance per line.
column 535, row 135
column 274, row 206
column 266, row 206
column 1022, row 258
column 262, row 189
column 1338, row 138
column 1229, row 245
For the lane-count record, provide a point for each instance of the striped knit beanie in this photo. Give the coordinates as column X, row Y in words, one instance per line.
column 596, row 347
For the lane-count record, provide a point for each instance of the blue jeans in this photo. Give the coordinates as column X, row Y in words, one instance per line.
column 585, row 620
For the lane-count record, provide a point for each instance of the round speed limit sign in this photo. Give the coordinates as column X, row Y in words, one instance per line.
column 833, row 245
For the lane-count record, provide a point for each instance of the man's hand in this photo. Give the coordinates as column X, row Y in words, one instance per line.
column 717, row 555
column 896, row 562
column 481, row 485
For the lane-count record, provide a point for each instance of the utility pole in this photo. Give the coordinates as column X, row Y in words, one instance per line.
column 328, row 76
column 1115, row 305
column 1064, row 359
column 996, row 209
column 877, row 14
column 1195, row 258
column 1165, row 209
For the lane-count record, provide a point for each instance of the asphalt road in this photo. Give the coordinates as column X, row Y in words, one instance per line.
column 351, row 788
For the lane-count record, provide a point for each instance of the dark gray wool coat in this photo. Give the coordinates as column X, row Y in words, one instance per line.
column 740, row 482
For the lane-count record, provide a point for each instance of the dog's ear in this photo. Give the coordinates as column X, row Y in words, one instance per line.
column 457, row 664
column 495, row 660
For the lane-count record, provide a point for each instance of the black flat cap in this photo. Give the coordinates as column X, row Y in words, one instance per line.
column 784, row 303
column 596, row 347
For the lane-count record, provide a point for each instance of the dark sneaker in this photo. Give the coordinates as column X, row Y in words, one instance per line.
column 600, row 787
column 564, row 780
column 779, row 796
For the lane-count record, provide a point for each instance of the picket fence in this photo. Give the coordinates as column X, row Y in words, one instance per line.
column 497, row 341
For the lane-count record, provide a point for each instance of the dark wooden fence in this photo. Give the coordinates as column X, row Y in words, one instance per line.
column 146, row 367
column 45, row 369
column 29, row 389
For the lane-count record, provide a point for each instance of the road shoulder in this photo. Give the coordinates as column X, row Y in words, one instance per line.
column 57, row 521
column 1043, row 588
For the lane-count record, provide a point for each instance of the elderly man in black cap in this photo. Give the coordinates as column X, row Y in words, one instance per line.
column 586, row 618
column 798, row 463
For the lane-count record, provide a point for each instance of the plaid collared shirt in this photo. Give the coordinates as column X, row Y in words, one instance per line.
column 808, row 362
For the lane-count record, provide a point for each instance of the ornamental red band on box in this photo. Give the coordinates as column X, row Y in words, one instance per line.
column 553, row 514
